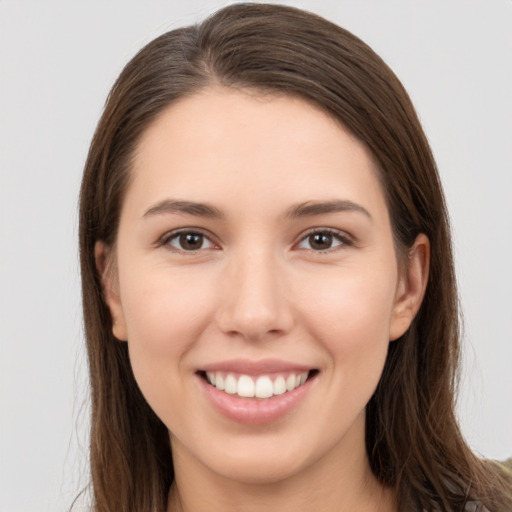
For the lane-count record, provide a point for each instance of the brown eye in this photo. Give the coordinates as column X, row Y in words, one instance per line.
column 189, row 241
column 320, row 241
column 323, row 241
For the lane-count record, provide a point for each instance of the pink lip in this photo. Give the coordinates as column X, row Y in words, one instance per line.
column 254, row 411
column 261, row 367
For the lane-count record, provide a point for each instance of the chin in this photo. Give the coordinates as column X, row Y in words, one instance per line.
column 261, row 461
column 258, row 472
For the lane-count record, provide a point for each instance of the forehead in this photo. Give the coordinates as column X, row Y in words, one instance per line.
column 234, row 143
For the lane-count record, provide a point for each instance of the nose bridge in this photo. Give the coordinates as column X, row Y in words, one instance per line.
column 254, row 302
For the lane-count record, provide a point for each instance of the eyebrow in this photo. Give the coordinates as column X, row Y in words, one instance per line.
column 188, row 207
column 306, row 209
column 312, row 208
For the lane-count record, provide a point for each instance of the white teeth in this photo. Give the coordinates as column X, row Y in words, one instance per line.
column 230, row 386
column 264, row 388
column 219, row 382
column 279, row 386
column 261, row 387
column 245, row 386
column 290, row 382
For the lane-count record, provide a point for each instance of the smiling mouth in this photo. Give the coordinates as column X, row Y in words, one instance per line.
column 262, row 386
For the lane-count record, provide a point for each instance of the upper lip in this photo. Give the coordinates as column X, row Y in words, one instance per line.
column 249, row 367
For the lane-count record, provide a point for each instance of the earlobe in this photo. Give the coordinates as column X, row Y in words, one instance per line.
column 411, row 287
column 110, row 287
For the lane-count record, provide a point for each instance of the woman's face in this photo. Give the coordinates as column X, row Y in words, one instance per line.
column 255, row 249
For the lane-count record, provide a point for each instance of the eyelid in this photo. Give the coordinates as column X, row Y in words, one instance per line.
column 342, row 236
column 164, row 240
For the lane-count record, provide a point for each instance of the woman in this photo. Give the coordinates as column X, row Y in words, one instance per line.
column 268, row 288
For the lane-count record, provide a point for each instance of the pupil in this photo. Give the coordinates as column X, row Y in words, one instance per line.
column 191, row 241
column 321, row 241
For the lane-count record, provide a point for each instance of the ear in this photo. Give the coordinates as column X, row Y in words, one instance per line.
column 411, row 287
column 110, row 285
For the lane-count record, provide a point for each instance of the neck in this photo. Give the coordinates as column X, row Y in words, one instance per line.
column 371, row 497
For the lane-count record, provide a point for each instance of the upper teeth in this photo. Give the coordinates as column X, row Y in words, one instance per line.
column 260, row 387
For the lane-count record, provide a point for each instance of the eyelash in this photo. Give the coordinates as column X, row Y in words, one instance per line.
column 341, row 237
column 165, row 241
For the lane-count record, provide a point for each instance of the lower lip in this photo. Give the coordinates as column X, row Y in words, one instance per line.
column 254, row 411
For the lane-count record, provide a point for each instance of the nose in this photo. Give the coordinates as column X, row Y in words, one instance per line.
column 254, row 299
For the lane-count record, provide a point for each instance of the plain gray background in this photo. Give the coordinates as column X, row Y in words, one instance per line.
column 57, row 63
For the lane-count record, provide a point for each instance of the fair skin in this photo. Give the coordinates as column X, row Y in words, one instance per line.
column 255, row 233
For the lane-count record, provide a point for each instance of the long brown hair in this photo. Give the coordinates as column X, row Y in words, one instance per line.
column 413, row 441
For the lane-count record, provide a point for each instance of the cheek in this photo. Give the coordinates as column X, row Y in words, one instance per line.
column 350, row 317
column 164, row 309
column 352, row 304
column 165, row 314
